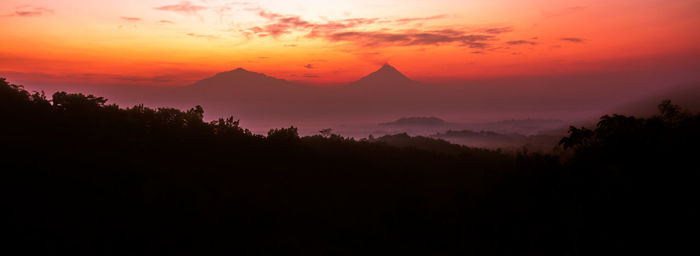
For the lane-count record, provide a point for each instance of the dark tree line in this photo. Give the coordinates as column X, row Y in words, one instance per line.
column 81, row 176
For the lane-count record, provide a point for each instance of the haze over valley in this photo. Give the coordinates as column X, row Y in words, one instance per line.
column 512, row 108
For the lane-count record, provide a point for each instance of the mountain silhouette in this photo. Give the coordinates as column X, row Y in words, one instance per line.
column 385, row 77
column 251, row 95
column 237, row 80
column 242, row 81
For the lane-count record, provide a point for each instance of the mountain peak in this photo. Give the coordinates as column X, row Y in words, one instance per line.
column 387, row 69
column 385, row 76
column 241, row 72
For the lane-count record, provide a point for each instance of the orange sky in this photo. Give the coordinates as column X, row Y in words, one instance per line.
column 173, row 42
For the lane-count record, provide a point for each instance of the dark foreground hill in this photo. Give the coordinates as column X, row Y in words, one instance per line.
column 82, row 177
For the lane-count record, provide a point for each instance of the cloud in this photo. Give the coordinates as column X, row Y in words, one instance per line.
column 332, row 26
column 130, row 18
column 290, row 45
column 166, row 22
column 29, row 11
column 202, row 36
column 267, row 15
column 519, row 42
column 497, row 31
column 572, row 39
column 286, row 24
column 184, row 7
column 351, row 30
column 256, row 30
column 277, row 29
column 282, row 25
column 408, row 20
column 309, row 66
column 311, row 76
column 369, row 39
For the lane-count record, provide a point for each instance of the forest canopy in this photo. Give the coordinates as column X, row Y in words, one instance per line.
column 82, row 176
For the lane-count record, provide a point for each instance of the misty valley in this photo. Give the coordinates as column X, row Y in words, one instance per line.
column 507, row 115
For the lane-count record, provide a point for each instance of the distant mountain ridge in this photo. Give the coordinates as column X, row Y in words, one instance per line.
column 383, row 96
column 386, row 76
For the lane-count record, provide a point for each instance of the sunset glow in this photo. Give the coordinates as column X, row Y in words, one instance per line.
column 175, row 43
column 349, row 127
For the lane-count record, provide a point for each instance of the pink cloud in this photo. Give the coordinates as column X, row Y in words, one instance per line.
column 407, row 20
column 348, row 30
column 184, row 7
column 375, row 39
column 30, row 11
column 202, row 36
column 130, row 18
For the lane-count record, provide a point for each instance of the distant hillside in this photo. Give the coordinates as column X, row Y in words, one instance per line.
column 521, row 126
column 419, row 142
column 416, row 121
column 507, row 141
column 685, row 95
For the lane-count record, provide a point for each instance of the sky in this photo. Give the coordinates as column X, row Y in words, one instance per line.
column 174, row 43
